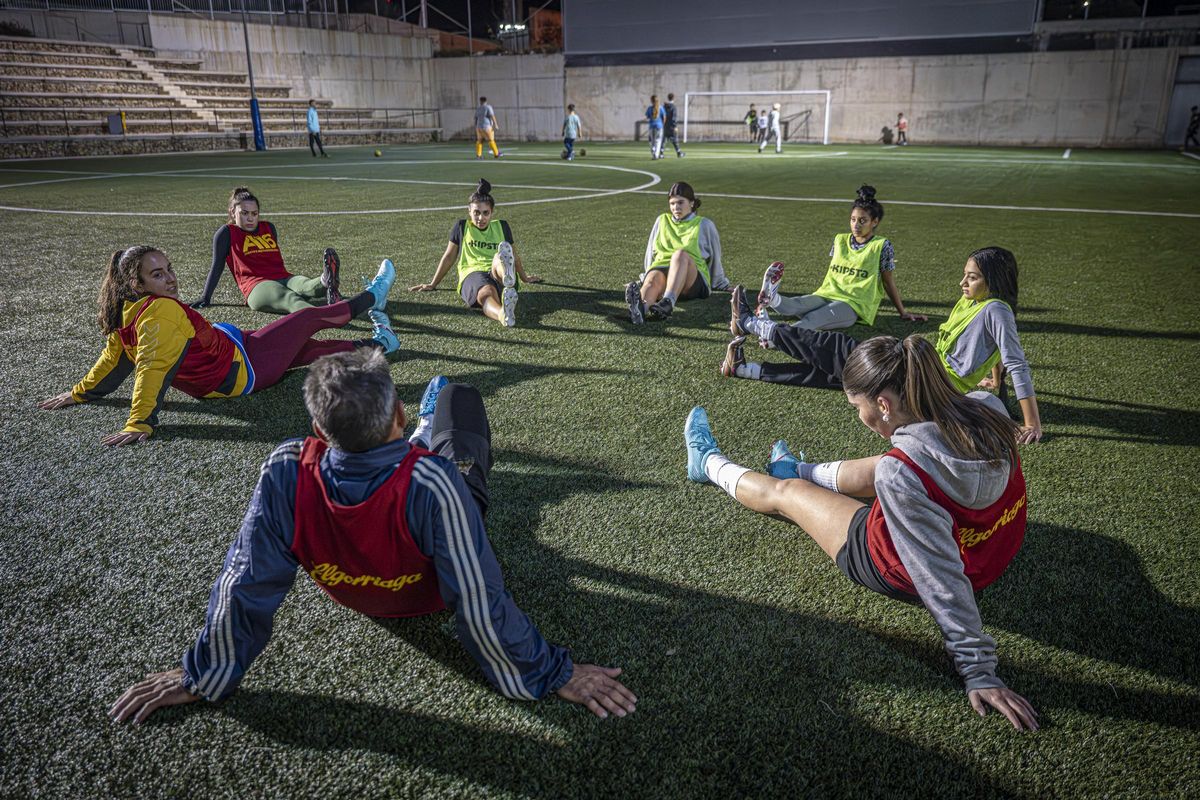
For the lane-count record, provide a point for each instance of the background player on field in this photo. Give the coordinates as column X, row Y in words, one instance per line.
column 860, row 271
column 163, row 342
column 977, row 345
column 670, row 125
column 572, row 129
column 751, row 122
column 772, row 130
column 485, row 128
column 949, row 510
column 384, row 527
column 683, row 259
column 488, row 265
column 249, row 247
column 762, row 128
column 655, row 116
column 901, row 129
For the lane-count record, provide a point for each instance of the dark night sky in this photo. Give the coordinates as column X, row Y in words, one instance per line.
column 485, row 14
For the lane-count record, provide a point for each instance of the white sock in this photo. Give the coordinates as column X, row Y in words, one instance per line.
column 420, row 434
column 724, row 473
column 823, row 475
column 751, row 370
column 670, row 298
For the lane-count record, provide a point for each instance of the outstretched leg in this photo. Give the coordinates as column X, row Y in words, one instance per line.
column 461, row 433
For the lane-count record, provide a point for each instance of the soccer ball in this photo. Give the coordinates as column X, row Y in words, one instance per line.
column 378, row 153
column 563, row 155
column 582, row 152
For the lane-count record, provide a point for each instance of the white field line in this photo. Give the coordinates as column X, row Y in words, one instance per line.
column 248, row 176
column 1066, row 153
column 1189, row 155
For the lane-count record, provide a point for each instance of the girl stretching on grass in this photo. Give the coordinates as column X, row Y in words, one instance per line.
column 487, row 261
column 949, row 510
column 164, row 342
column 860, row 271
column 976, row 345
column 250, row 248
column 683, row 259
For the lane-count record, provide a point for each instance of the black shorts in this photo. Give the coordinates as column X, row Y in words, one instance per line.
column 854, row 560
column 469, row 291
column 699, row 289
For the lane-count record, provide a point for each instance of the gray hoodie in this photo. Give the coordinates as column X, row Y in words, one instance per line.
column 923, row 535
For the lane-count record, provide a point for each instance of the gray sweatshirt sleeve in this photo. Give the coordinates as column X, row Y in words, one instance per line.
column 994, row 328
column 650, row 248
column 922, row 533
column 710, row 248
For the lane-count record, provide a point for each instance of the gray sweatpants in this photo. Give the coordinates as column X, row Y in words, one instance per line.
column 816, row 313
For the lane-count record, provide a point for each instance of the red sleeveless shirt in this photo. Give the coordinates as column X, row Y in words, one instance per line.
column 363, row 556
column 254, row 257
column 208, row 358
column 987, row 538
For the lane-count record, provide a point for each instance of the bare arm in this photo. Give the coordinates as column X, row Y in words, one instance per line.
column 1031, row 431
column 448, row 259
column 893, row 293
column 528, row 278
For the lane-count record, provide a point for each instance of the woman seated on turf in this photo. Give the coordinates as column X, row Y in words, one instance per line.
column 162, row 341
column 861, row 267
column 683, row 259
column 949, row 510
column 250, row 248
column 977, row 345
column 488, row 266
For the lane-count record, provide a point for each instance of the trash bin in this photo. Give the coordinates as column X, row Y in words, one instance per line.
column 114, row 125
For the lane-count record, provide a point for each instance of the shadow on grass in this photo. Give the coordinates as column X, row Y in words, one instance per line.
column 1133, row 422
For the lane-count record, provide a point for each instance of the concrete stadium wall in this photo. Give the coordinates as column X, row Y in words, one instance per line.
column 1101, row 98
column 360, row 70
column 525, row 90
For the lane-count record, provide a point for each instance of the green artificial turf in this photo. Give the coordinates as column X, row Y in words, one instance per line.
column 760, row 670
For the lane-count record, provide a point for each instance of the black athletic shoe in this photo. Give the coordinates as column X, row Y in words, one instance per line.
column 662, row 309
column 329, row 277
column 739, row 309
column 633, row 299
column 735, row 356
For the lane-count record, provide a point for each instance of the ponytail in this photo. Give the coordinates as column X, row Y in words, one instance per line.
column 866, row 201
column 482, row 194
column 240, row 195
column 115, row 289
column 912, row 370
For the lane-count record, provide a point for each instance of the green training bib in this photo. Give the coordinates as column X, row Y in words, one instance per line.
column 685, row 236
column 854, row 277
column 963, row 312
column 478, row 248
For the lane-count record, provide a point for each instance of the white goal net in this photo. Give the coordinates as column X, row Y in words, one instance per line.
column 721, row 116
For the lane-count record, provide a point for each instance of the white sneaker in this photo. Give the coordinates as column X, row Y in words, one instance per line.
column 510, row 306
column 508, row 264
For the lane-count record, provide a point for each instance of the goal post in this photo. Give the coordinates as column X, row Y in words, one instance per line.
column 818, row 94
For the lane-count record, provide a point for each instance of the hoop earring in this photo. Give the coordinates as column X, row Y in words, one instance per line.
column 887, row 417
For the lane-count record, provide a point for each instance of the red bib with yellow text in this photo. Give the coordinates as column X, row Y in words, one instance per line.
column 207, row 359
column 987, row 538
column 363, row 556
column 254, row 257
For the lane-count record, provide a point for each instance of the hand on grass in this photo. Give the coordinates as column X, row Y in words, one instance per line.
column 599, row 690
column 58, row 401
column 1029, row 433
column 1016, row 709
column 988, row 384
column 422, row 287
column 156, row 690
column 122, row 438
column 532, row 279
column 911, row 317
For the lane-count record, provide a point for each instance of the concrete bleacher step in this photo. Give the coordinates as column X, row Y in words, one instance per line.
column 17, row 84
column 175, row 91
column 72, row 99
column 34, row 113
column 196, row 76
column 72, row 59
column 62, row 46
column 23, row 69
column 76, row 127
column 174, row 64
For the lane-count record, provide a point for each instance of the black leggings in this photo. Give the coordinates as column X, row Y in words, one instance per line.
column 820, row 357
column 461, row 433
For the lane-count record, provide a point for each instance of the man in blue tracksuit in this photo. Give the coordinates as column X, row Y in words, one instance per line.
column 384, row 526
column 314, row 131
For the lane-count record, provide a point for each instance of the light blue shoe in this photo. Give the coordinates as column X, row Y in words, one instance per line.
column 697, row 435
column 429, row 399
column 383, row 332
column 381, row 284
column 783, row 465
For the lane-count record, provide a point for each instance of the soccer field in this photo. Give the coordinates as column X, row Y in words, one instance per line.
column 760, row 670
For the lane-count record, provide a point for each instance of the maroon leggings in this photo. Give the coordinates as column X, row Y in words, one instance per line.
column 285, row 343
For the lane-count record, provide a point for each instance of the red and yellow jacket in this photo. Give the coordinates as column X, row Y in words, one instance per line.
column 164, row 343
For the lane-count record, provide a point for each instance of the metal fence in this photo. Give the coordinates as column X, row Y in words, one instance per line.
column 203, row 7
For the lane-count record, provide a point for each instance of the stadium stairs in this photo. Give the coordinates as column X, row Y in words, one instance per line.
column 61, row 98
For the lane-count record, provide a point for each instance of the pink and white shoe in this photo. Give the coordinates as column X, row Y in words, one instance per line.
column 770, row 286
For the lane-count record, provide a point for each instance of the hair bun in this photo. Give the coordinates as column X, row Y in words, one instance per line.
column 866, row 193
column 484, row 187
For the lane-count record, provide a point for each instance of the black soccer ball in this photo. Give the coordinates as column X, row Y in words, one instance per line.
column 563, row 155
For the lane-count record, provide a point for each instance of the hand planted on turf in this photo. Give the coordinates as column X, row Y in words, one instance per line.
column 58, row 401
column 1029, row 433
column 122, row 438
column 156, row 690
column 422, row 287
column 987, row 384
column 599, row 690
column 911, row 317
column 1016, row 709
column 532, row 279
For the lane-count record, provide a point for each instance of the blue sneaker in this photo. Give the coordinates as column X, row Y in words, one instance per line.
column 429, row 399
column 383, row 332
column 697, row 435
column 783, row 465
column 381, row 284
